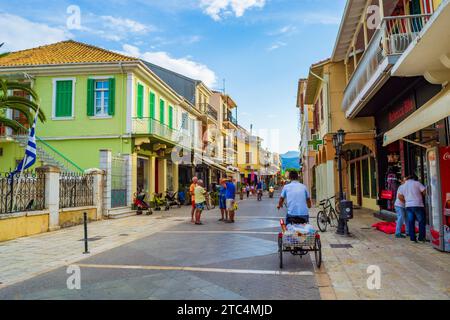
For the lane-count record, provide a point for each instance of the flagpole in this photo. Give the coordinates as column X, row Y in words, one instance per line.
column 24, row 161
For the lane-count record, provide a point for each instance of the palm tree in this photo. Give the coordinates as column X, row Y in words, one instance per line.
column 27, row 107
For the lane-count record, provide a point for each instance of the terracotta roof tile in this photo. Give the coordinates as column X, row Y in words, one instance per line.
column 61, row 53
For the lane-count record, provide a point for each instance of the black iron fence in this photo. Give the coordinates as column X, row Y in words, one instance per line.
column 22, row 192
column 76, row 190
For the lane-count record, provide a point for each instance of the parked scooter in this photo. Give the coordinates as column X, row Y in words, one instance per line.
column 172, row 199
column 271, row 192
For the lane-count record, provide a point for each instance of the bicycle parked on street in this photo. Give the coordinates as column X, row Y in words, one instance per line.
column 327, row 215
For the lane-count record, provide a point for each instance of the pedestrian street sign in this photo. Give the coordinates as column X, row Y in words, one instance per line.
column 315, row 142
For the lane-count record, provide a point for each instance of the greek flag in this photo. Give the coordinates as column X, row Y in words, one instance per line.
column 30, row 151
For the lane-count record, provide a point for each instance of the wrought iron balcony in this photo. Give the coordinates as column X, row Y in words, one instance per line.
column 388, row 43
column 208, row 110
column 229, row 117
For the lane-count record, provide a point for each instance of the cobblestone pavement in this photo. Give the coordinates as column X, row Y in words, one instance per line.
column 165, row 257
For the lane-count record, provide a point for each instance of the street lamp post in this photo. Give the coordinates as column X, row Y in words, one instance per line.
column 338, row 142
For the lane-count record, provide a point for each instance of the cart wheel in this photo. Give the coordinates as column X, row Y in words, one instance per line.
column 280, row 251
column 322, row 221
column 318, row 252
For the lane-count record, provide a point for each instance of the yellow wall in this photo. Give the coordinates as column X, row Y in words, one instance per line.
column 75, row 217
column 16, row 227
column 337, row 86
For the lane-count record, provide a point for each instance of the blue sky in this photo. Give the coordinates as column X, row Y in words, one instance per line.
column 261, row 47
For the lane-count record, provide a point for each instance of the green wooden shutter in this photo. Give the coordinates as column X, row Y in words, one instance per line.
column 90, row 97
column 140, row 101
column 161, row 111
column 170, row 117
column 152, row 105
column 63, row 107
column 112, row 96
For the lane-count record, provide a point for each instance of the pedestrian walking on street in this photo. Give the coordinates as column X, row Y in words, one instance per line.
column 192, row 193
column 200, row 201
column 298, row 200
column 223, row 200
column 230, row 199
column 401, row 214
column 247, row 189
column 412, row 195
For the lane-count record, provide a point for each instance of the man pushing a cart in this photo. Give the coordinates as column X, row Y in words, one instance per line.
column 297, row 236
column 298, row 200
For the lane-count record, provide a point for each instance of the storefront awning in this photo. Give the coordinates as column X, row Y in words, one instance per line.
column 433, row 111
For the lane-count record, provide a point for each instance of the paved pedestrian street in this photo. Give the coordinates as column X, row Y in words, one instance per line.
column 164, row 256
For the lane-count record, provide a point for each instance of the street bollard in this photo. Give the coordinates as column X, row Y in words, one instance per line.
column 86, row 249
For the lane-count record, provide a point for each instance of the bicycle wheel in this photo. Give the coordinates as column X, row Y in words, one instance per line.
column 322, row 221
column 334, row 218
column 318, row 252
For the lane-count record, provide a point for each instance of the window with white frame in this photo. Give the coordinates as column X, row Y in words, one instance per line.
column 101, row 91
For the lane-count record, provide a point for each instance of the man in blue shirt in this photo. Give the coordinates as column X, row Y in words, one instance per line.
column 230, row 196
column 222, row 200
column 298, row 200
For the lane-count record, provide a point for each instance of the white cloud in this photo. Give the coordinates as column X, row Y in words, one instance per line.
column 126, row 25
column 114, row 28
column 216, row 9
column 286, row 30
column 277, row 45
column 19, row 33
column 184, row 66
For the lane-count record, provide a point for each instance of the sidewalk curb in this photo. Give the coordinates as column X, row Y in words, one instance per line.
column 323, row 280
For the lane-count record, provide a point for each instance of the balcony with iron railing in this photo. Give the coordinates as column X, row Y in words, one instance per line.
column 388, row 43
column 228, row 117
column 208, row 111
column 150, row 126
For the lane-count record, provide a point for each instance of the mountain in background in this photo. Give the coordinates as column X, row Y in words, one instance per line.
column 290, row 160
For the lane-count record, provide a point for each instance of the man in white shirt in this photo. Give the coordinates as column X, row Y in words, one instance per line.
column 401, row 214
column 298, row 200
column 412, row 195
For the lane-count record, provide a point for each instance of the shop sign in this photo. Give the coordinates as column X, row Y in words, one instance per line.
column 401, row 111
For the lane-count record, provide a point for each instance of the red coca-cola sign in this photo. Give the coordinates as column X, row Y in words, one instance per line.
column 402, row 110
